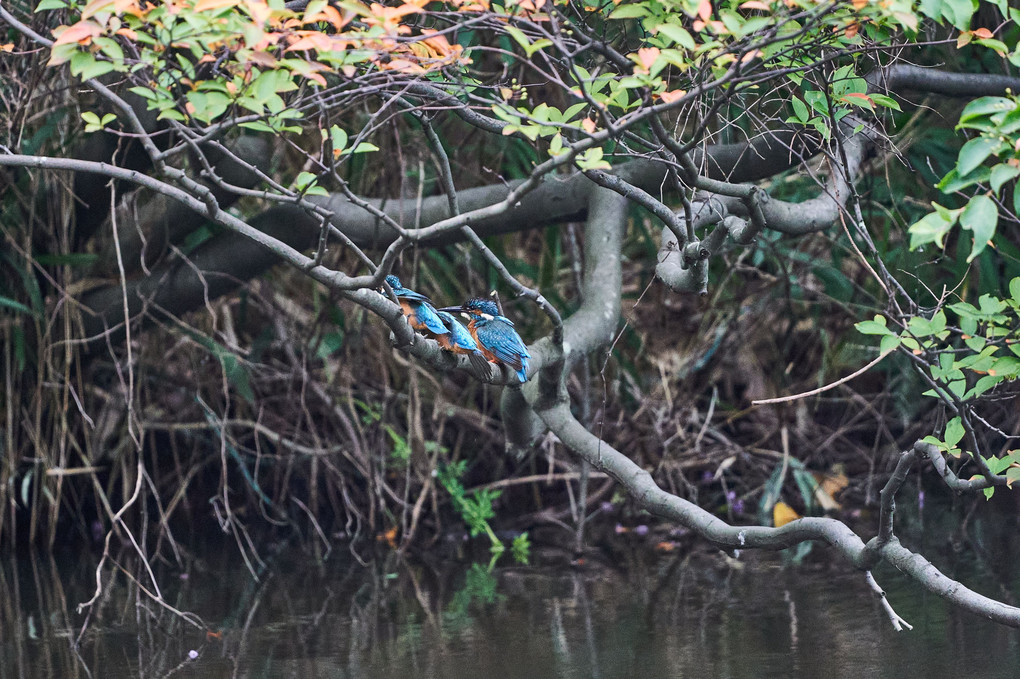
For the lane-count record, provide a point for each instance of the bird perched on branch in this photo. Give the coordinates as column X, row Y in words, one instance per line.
column 460, row 341
column 418, row 309
column 494, row 334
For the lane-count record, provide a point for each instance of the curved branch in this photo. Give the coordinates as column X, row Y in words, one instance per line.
column 642, row 488
column 591, row 326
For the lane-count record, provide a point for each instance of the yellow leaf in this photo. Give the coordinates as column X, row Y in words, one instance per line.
column 783, row 514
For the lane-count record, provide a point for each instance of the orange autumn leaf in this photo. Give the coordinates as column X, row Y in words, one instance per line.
column 389, row 537
column 529, row 5
column 672, row 95
column 403, row 65
column 81, row 33
column 263, row 59
column 205, row 5
column 983, row 33
column 647, row 56
column 472, row 5
column 859, row 96
column 755, row 4
column 331, row 15
column 257, row 10
column 96, row 6
column 705, row 10
column 783, row 514
column 439, row 43
column 311, row 40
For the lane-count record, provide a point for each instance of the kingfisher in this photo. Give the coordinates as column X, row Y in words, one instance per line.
column 418, row 309
column 494, row 334
column 460, row 341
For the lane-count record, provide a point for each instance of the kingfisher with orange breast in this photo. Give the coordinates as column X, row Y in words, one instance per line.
column 418, row 309
column 494, row 334
column 460, row 341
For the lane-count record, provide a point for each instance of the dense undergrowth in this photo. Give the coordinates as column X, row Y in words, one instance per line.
column 279, row 411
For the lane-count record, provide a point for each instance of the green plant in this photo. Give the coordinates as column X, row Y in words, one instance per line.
column 474, row 507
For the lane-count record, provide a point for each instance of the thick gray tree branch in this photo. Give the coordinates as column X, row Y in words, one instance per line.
column 591, row 326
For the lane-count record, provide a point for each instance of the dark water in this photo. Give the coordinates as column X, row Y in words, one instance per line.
column 628, row 612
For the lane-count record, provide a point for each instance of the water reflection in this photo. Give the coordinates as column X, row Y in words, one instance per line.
column 631, row 615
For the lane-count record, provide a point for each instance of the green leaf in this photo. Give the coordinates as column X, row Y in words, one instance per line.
column 1014, row 289
column 303, row 180
column 85, row 66
column 874, row 327
column 1001, row 174
column 677, row 34
column 237, row 375
column 518, row 36
column 996, row 464
column 634, row 11
column 984, row 108
column 365, row 147
column 800, row 109
column 143, row 92
column 975, row 152
column 954, row 432
column 959, row 12
column 931, row 228
column 339, row 138
column 954, row 181
column 888, row 343
column 1012, row 476
column 15, row 305
column 980, row 216
column 993, row 44
column 887, row 102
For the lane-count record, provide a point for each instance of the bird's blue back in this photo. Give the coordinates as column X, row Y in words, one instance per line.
column 496, row 333
column 459, row 335
column 420, row 304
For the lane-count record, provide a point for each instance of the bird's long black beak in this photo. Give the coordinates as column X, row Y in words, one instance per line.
column 453, row 309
